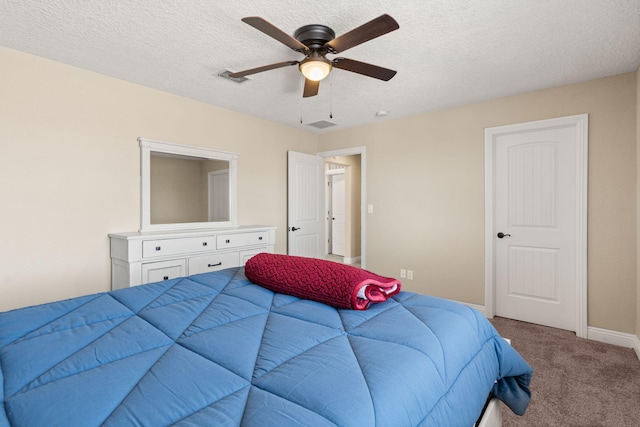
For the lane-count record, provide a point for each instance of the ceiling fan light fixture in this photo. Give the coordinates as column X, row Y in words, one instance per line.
column 315, row 69
column 315, row 41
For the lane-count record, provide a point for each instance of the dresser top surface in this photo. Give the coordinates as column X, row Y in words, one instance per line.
column 189, row 233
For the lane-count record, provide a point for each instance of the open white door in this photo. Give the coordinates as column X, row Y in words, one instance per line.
column 306, row 219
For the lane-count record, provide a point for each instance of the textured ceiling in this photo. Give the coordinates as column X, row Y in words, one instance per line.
column 446, row 52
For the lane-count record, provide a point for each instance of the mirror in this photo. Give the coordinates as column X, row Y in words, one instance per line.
column 187, row 187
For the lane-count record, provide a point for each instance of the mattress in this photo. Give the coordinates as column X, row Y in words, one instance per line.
column 216, row 349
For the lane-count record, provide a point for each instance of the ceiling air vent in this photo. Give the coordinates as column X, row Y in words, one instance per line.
column 322, row 124
column 225, row 75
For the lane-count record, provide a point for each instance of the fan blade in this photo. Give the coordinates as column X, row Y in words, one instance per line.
column 372, row 29
column 364, row 69
column 275, row 32
column 310, row 88
column 263, row 68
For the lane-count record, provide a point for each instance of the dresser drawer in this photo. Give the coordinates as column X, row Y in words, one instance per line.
column 247, row 255
column 163, row 270
column 213, row 262
column 140, row 257
column 242, row 239
column 164, row 247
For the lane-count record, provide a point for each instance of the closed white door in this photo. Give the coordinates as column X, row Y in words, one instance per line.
column 306, row 227
column 218, row 195
column 537, row 228
column 338, row 214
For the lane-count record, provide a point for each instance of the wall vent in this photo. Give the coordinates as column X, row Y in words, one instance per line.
column 225, row 75
column 322, row 124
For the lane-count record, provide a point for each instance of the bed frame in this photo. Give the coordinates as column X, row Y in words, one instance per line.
column 492, row 415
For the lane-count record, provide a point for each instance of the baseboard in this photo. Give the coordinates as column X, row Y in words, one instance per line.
column 596, row 334
column 614, row 337
column 354, row 260
column 480, row 308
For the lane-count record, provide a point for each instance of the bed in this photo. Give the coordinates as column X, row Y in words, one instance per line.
column 217, row 349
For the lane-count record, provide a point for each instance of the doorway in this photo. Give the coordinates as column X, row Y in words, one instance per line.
column 343, row 208
column 535, row 222
column 307, row 214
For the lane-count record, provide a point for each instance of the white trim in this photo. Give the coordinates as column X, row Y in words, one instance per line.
column 354, row 260
column 332, row 172
column 362, row 151
column 614, row 337
column 581, row 125
column 481, row 308
column 608, row 336
column 492, row 416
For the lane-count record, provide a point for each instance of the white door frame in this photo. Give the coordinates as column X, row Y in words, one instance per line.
column 362, row 151
column 581, row 124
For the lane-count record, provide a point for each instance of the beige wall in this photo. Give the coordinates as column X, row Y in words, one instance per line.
column 70, row 170
column 425, row 179
column 69, row 173
column 176, row 184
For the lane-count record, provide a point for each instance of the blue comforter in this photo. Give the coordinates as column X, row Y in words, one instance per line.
column 215, row 349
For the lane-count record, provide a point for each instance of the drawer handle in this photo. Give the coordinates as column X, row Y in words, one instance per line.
column 157, row 248
column 260, row 238
column 166, row 277
column 215, row 265
column 227, row 241
column 204, row 243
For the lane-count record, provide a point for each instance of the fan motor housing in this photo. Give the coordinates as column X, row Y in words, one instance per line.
column 314, row 36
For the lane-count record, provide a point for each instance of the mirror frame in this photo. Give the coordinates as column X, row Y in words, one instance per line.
column 147, row 146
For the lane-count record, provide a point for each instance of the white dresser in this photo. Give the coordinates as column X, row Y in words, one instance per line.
column 145, row 257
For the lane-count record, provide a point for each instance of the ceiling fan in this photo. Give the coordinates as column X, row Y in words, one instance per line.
column 315, row 42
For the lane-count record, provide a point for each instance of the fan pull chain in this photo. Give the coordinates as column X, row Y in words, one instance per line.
column 300, row 103
column 331, row 96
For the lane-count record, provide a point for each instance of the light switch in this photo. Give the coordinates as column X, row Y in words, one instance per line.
column 369, row 208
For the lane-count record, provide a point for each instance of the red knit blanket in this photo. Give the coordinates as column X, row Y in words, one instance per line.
column 331, row 283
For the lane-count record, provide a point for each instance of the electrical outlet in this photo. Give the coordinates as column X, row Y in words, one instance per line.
column 403, row 273
column 410, row 274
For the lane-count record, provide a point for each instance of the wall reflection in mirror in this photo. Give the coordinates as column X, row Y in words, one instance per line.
column 185, row 189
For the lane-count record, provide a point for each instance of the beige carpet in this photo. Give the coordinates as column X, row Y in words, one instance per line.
column 575, row 382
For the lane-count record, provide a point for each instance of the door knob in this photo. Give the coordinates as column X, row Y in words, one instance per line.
column 295, row 228
column 501, row 235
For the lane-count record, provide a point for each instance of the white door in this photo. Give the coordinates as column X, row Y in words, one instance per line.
column 537, row 224
column 338, row 214
column 219, row 195
column 306, row 235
